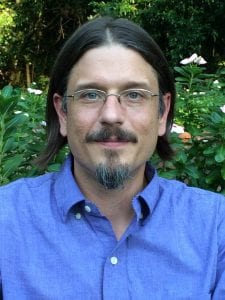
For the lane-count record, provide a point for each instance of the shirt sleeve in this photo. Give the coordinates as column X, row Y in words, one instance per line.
column 219, row 292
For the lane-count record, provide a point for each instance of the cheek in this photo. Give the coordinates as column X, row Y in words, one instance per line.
column 146, row 124
column 79, row 123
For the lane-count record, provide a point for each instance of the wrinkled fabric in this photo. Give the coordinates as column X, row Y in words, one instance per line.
column 56, row 245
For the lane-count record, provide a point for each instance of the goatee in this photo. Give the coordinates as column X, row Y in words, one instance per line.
column 112, row 178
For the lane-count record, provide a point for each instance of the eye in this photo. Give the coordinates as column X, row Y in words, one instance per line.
column 133, row 96
column 90, row 95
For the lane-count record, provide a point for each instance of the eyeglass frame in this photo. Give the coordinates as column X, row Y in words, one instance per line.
column 106, row 95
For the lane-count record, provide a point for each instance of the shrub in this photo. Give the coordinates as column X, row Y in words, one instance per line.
column 199, row 160
column 22, row 133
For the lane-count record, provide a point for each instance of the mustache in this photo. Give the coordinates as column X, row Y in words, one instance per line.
column 106, row 133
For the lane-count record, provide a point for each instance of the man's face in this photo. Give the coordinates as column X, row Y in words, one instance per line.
column 112, row 135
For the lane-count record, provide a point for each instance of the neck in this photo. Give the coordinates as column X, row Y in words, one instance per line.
column 115, row 204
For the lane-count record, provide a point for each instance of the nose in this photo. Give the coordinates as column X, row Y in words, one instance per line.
column 112, row 111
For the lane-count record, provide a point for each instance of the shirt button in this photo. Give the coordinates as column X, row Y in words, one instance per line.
column 78, row 216
column 114, row 260
column 141, row 216
column 87, row 208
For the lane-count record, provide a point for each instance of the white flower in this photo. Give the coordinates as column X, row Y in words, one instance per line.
column 34, row 91
column 194, row 58
column 43, row 123
column 223, row 108
column 198, row 93
column 177, row 128
column 217, row 84
column 18, row 112
column 200, row 61
column 189, row 60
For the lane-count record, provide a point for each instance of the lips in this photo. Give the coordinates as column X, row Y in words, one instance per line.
column 112, row 143
column 113, row 139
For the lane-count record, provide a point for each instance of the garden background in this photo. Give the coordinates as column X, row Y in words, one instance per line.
column 31, row 34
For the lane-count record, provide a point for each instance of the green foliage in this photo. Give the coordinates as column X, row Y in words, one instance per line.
column 183, row 27
column 199, row 161
column 36, row 32
column 32, row 32
column 7, row 35
column 115, row 8
column 22, row 133
column 18, row 141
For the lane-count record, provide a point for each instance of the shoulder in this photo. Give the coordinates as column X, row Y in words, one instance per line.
column 23, row 201
column 17, row 196
column 24, row 185
column 37, row 196
column 180, row 189
column 32, row 185
column 195, row 200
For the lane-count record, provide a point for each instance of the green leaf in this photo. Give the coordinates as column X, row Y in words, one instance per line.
column 7, row 91
column 181, row 157
column 54, row 167
column 182, row 71
column 6, row 105
column 212, row 176
column 9, row 145
column 216, row 118
column 192, row 171
column 223, row 171
column 209, row 150
column 11, row 164
column 220, row 153
column 182, row 79
column 168, row 174
column 18, row 119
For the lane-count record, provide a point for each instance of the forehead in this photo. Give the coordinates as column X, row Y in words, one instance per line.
column 112, row 66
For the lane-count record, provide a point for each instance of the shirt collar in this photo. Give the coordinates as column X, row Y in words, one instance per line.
column 66, row 190
column 67, row 193
column 149, row 196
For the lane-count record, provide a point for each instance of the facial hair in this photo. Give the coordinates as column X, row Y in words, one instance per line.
column 105, row 133
column 112, row 175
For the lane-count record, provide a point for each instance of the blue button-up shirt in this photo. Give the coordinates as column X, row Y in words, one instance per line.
column 56, row 245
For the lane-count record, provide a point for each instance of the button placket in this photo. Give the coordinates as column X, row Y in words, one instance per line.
column 115, row 277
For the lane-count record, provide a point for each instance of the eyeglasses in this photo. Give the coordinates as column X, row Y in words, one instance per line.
column 129, row 97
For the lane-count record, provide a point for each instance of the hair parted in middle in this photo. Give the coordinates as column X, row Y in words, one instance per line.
column 93, row 34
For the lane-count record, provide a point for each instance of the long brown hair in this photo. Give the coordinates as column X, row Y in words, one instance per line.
column 91, row 35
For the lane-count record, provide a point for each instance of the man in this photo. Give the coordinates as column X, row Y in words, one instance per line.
column 106, row 226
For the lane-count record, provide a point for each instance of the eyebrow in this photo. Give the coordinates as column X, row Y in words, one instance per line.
column 125, row 86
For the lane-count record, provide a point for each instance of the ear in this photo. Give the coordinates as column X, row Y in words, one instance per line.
column 163, row 117
column 57, row 100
